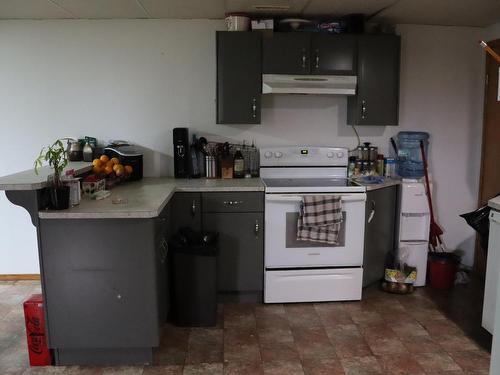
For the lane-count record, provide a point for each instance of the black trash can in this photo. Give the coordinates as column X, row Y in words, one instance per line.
column 194, row 279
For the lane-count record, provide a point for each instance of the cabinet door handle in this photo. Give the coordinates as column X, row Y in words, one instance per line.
column 304, row 58
column 232, row 203
column 254, row 108
column 372, row 212
column 257, row 228
column 163, row 250
column 317, row 59
column 193, row 208
column 363, row 109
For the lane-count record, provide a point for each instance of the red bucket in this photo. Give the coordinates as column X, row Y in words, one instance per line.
column 442, row 270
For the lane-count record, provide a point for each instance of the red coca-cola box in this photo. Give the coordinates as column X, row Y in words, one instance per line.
column 39, row 353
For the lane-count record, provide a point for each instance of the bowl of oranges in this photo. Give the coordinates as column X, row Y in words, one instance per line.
column 111, row 169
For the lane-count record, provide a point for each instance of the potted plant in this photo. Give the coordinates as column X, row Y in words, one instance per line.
column 56, row 156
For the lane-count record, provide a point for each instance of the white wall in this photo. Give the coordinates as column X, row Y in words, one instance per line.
column 491, row 32
column 137, row 79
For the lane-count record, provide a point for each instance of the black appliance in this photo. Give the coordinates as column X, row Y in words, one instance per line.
column 181, row 152
column 128, row 155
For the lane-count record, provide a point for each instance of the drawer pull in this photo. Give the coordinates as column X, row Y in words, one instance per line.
column 232, row 203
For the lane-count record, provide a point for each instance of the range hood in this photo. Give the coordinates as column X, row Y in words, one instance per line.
column 308, row 84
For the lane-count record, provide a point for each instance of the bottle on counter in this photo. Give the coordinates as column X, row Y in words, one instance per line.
column 390, row 167
column 226, row 162
column 351, row 167
column 380, row 165
column 238, row 164
column 88, row 153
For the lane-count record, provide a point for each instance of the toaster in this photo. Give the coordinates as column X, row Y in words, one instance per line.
column 128, row 155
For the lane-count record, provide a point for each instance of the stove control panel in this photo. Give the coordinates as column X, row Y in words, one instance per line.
column 294, row 156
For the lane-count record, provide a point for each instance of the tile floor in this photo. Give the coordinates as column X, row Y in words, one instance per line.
column 383, row 334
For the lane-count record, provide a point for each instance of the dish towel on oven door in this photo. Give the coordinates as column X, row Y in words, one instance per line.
column 320, row 218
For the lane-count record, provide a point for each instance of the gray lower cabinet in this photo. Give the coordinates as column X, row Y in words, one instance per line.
column 240, row 262
column 186, row 211
column 377, row 97
column 239, row 219
column 381, row 206
column 104, row 285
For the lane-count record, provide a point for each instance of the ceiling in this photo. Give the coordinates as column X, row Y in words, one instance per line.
column 435, row 12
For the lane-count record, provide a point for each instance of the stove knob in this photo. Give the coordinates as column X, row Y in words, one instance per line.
column 268, row 154
column 340, row 154
column 278, row 154
column 329, row 155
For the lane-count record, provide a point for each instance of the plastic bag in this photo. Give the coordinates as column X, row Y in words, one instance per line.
column 480, row 222
column 399, row 277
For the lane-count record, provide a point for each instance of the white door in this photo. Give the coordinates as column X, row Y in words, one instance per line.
column 282, row 248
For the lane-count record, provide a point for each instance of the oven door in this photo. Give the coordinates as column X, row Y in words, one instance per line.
column 282, row 250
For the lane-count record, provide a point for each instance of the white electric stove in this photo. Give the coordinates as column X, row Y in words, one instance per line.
column 302, row 271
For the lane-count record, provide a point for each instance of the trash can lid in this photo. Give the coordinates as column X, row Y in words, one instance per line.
column 196, row 250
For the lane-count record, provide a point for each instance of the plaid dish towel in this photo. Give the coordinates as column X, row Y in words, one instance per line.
column 320, row 218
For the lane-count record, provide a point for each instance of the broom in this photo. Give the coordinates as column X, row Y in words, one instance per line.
column 490, row 50
column 435, row 230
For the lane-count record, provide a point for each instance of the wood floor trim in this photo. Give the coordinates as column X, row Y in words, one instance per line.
column 24, row 276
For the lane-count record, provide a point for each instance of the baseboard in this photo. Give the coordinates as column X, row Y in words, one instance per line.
column 21, row 276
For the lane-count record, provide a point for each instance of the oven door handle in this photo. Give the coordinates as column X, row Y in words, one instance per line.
column 298, row 198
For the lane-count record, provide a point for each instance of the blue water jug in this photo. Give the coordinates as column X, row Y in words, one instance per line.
column 409, row 160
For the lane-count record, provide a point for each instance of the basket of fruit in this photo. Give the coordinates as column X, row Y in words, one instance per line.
column 111, row 170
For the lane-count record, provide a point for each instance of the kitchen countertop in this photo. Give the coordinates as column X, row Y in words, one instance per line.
column 140, row 199
column 146, row 198
column 29, row 180
column 387, row 183
column 494, row 203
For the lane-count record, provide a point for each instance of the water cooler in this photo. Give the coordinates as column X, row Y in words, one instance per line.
column 413, row 228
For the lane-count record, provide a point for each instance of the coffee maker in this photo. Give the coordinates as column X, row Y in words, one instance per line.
column 181, row 152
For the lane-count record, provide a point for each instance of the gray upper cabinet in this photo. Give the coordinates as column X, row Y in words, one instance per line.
column 377, row 98
column 239, row 77
column 309, row 53
column 286, row 53
column 333, row 54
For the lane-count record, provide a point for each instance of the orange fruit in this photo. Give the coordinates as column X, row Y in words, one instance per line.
column 104, row 158
column 108, row 169
column 119, row 170
column 97, row 169
column 116, row 166
column 128, row 169
column 115, row 160
column 96, row 163
column 110, row 164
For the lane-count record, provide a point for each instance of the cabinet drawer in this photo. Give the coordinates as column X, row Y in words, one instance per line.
column 314, row 285
column 233, row 202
